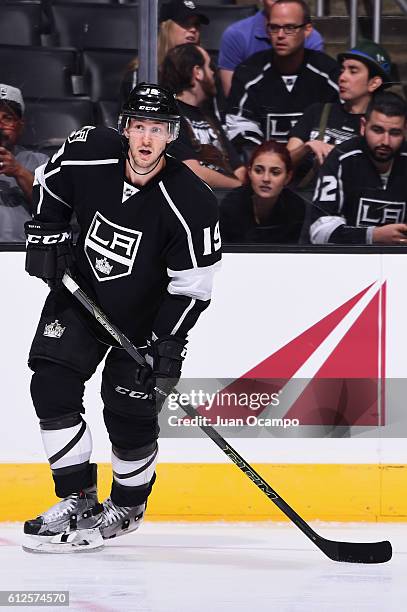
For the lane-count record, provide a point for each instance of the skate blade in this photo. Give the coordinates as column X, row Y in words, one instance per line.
column 81, row 540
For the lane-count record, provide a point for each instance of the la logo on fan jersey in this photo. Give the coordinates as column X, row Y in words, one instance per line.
column 110, row 248
column 380, row 212
column 278, row 125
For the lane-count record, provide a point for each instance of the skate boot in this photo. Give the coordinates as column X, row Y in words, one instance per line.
column 68, row 526
column 119, row 520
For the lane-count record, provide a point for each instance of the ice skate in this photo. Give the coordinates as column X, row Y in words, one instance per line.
column 119, row 520
column 71, row 525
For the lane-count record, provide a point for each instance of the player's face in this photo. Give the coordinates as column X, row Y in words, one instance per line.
column 354, row 82
column 147, row 141
column 289, row 41
column 10, row 124
column 384, row 135
column 189, row 31
column 268, row 175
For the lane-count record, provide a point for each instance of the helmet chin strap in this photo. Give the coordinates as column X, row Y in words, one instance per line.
column 152, row 169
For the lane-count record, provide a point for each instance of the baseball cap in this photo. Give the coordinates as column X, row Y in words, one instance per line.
column 12, row 94
column 180, row 10
column 373, row 55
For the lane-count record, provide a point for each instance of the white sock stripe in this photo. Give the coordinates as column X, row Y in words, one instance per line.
column 134, row 473
column 69, row 446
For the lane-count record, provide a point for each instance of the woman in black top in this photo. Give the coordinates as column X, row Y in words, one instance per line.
column 264, row 210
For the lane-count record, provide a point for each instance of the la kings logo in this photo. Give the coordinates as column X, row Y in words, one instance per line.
column 111, row 249
column 278, row 125
column 380, row 212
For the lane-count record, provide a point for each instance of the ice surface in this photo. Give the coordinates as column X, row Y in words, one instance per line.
column 228, row 567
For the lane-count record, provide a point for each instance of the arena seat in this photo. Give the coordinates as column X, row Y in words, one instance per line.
column 107, row 112
column 104, row 71
column 220, row 18
column 48, row 122
column 39, row 72
column 103, row 26
column 21, row 23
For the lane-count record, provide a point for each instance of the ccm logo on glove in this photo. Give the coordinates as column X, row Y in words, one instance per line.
column 51, row 239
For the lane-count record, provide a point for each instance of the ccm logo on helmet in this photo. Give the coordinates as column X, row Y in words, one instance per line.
column 148, row 108
column 130, row 393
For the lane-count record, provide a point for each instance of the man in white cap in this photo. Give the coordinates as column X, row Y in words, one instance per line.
column 17, row 166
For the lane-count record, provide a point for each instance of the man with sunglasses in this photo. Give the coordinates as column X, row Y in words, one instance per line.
column 16, row 167
column 147, row 252
column 271, row 90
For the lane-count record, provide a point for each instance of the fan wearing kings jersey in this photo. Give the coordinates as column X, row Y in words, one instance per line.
column 272, row 89
column 148, row 248
column 361, row 193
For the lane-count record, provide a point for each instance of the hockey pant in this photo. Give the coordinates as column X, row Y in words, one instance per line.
column 64, row 355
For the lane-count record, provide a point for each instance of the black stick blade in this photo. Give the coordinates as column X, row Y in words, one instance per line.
column 356, row 552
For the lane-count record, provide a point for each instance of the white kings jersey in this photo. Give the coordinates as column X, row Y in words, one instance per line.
column 148, row 255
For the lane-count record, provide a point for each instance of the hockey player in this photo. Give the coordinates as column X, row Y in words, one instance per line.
column 147, row 252
column 361, row 193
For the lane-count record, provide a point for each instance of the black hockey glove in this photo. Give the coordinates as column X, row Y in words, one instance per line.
column 166, row 356
column 48, row 251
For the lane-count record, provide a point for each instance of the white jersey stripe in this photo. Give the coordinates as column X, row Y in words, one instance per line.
column 90, row 162
column 40, row 199
column 324, row 74
column 40, row 178
column 350, row 153
column 183, row 223
column 194, row 283
column 55, row 171
column 321, row 230
column 182, row 317
column 249, row 84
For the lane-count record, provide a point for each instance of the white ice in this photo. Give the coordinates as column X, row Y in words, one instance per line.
column 211, row 567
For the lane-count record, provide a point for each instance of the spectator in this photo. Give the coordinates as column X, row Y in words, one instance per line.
column 16, row 167
column 248, row 36
column 180, row 22
column 202, row 144
column 364, row 69
column 264, row 210
column 361, row 194
column 271, row 90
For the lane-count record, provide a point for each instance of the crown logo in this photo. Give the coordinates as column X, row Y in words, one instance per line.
column 103, row 266
column 54, row 329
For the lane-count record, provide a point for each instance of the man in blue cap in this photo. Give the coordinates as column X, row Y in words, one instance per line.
column 364, row 70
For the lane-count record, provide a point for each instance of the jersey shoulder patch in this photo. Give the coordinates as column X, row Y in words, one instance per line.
column 81, row 135
column 90, row 142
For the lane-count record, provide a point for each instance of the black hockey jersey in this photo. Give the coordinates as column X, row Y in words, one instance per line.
column 147, row 254
column 351, row 197
column 264, row 104
column 340, row 126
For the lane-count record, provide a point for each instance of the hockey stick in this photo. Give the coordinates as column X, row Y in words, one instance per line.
column 352, row 552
